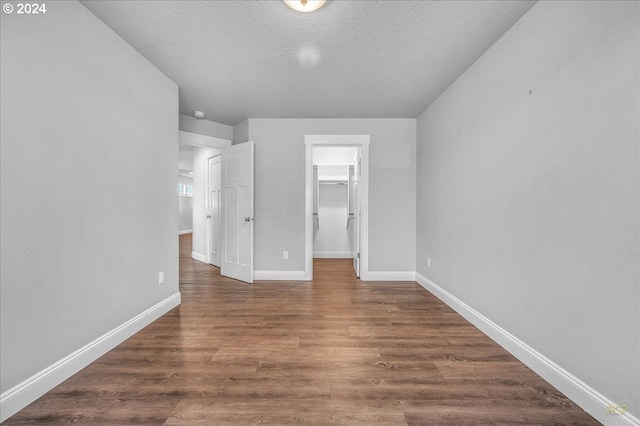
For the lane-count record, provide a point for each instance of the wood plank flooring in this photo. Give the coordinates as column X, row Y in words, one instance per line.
column 335, row 350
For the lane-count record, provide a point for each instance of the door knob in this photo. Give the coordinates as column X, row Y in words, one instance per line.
column 208, row 216
column 247, row 219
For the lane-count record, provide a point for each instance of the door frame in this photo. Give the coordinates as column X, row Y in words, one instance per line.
column 311, row 141
column 207, row 146
column 230, row 269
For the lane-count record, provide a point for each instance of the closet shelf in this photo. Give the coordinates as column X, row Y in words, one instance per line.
column 333, row 182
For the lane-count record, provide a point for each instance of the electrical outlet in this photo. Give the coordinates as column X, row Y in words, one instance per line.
column 285, row 255
column 161, row 278
column 429, row 262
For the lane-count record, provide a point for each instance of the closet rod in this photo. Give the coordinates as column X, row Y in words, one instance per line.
column 329, row 182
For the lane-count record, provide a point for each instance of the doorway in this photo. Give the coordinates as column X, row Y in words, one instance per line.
column 352, row 182
column 229, row 211
column 336, row 212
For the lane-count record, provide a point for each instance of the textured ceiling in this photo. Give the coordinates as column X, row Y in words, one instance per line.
column 350, row 59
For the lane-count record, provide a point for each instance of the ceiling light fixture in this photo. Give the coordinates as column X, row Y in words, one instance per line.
column 198, row 114
column 304, row 5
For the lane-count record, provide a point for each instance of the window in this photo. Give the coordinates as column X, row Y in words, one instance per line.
column 185, row 190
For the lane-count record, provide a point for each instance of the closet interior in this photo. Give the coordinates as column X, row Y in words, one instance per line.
column 335, row 202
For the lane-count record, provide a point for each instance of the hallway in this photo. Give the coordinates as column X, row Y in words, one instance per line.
column 335, row 350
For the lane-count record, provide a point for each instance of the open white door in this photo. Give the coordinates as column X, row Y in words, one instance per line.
column 237, row 212
column 214, row 202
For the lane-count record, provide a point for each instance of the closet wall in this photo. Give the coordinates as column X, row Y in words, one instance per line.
column 331, row 219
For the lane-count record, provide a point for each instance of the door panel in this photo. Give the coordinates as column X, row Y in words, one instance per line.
column 214, row 197
column 237, row 186
column 352, row 213
column 231, row 225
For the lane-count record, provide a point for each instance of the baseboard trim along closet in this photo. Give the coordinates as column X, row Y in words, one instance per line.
column 23, row 394
column 592, row 401
column 199, row 257
column 278, row 275
column 390, row 276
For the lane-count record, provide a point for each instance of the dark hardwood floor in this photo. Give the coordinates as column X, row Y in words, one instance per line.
column 335, row 350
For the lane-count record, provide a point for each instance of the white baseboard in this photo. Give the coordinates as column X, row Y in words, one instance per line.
column 332, row 254
column 279, row 275
column 592, row 401
column 390, row 276
column 23, row 394
column 186, row 231
column 199, row 257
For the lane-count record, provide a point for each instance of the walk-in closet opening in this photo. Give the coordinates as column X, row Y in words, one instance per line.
column 336, row 197
column 334, row 204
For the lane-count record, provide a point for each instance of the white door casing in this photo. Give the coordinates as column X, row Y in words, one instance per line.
column 316, row 202
column 237, row 212
column 352, row 213
column 214, row 204
column 361, row 141
column 357, row 219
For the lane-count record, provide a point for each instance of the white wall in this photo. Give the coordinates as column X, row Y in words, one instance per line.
column 185, row 208
column 528, row 190
column 185, row 158
column 334, row 155
column 88, row 200
column 241, row 132
column 280, row 189
column 333, row 172
column 332, row 239
column 205, row 127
